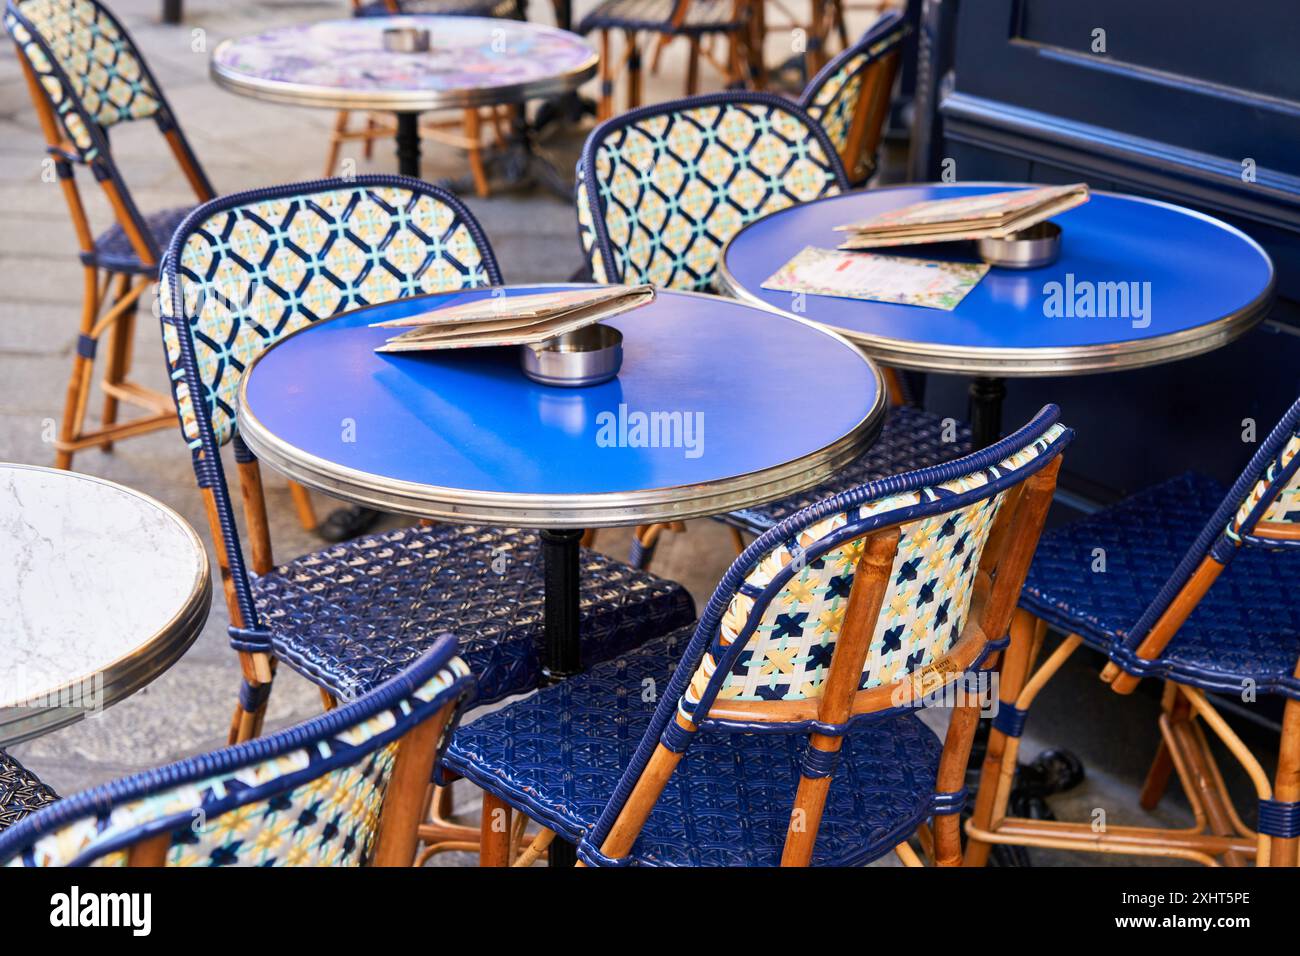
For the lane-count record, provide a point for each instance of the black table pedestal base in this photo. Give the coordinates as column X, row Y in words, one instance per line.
column 408, row 144
column 563, row 648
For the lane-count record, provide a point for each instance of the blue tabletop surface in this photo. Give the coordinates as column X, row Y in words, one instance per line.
column 770, row 390
column 1200, row 270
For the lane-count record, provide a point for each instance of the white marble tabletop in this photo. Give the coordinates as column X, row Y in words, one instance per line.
column 102, row 588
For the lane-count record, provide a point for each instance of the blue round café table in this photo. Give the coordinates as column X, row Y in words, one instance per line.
column 751, row 404
column 1208, row 284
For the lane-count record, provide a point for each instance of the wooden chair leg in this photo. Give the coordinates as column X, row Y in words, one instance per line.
column 119, row 346
column 74, row 402
column 303, row 506
column 633, row 71
column 368, row 145
column 1286, row 850
column 693, row 67
column 1015, row 666
column 336, row 142
column 952, row 773
column 605, row 106
column 1162, row 765
column 473, row 134
column 494, row 832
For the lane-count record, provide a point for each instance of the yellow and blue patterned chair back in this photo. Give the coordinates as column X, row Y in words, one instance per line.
column 88, row 66
column 834, row 97
column 312, row 795
column 661, row 189
column 246, row 270
column 778, row 633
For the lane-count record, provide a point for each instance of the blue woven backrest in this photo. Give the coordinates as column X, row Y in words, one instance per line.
column 833, row 95
column 87, row 65
column 661, row 189
column 777, row 636
column 311, row 795
column 246, row 270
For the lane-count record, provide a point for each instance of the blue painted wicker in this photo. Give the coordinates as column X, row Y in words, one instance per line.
column 571, row 755
column 833, row 96
column 21, row 792
column 1247, row 627
column 312, row 795
column 559, row 755
column 248, row 269
column 94, row 77
column 672, row 182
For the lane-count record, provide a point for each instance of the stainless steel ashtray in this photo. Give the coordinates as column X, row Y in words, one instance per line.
column 406, row 40
column 586, row 356
column 1039, row 245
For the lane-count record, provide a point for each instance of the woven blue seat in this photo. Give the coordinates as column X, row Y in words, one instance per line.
column 561, row 752
column 351, row 616
column 1247, row 626
column 21, row 792
column 710, row 745
column 114, row 252
column 911, row 438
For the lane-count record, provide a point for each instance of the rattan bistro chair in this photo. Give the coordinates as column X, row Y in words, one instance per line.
column 85, row 76
column 702, row 23
column 248, row 269
column 662, row 189
column 850, row 96
column 343, row 789
column 1199, row 590
column 783, row 726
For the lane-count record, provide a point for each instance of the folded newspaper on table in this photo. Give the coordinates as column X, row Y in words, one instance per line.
column 512, row 319
column 989, row 216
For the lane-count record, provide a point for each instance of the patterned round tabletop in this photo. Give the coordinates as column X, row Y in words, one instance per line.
column 718, row 405
column 101, row 590
column 342, row 64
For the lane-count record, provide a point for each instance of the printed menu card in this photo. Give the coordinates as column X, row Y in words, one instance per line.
column 860, row 275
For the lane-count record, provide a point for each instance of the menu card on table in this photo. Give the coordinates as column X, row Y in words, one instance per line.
column 861, row 275
column 512, row 319
column 990, row 216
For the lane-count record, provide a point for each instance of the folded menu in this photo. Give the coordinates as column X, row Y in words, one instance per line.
column 863, row 275
column 511, row 319
column 989, row 216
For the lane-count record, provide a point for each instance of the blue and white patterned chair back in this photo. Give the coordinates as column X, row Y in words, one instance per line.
column 245, row 270
column 87, row 65
column 661, row 189
column 763, row 647
column 312, row 795
column 1260, row 510
column 834, row 97
column 778, row 634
